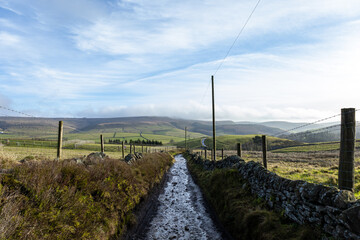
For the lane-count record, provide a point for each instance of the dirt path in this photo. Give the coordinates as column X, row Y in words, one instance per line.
column 181, row 213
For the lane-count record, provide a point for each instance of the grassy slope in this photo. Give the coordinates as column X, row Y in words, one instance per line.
column 94, row 135
column 89, row 129
column 228, row 142
column 242, row 214
column 63, row 200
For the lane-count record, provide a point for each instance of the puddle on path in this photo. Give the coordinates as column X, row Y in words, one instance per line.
column 181, row 213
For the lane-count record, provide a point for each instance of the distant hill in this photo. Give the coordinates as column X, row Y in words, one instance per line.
column 32, row 127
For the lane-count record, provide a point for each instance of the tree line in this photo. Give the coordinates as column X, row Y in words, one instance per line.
column 138, row 142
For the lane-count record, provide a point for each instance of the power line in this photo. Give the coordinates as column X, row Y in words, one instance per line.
column 202, row 99
column 28, row 115
column 237, row 37
column 308, row 124
column 232, row 45
column 12, row 110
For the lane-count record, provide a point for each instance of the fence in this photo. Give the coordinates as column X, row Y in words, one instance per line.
column 314, row 161
column 334, row 162
column 43, row 138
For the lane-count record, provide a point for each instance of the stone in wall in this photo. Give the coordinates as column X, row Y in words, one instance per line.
column 336, row 211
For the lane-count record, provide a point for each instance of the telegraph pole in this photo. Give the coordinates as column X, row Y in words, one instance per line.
column 213, row 118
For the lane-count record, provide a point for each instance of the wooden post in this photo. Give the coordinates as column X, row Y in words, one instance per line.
column 205, row 153
column 213, row 119
column 134, row 148
column 102, row 143
column 238, row 148
column 60, row 138
column 130, row 148
column 123, row 149
column 222, row 154
column 347, row 149
column 264, row 149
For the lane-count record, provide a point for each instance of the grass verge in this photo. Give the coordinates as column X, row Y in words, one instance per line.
column 64, row 200
column 243, row 215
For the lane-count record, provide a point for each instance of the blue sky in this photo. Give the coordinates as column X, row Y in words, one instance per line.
column 295, row 60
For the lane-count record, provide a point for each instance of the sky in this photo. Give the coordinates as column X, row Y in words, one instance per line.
column 294, row 61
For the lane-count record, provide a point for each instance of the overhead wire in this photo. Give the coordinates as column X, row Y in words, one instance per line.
column 231, row 47
column 32, row 116
column 12, row 110
column 237, row 37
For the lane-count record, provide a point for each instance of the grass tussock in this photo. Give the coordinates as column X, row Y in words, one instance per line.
column 7, row 159
column 243, row 215
column 64, row 200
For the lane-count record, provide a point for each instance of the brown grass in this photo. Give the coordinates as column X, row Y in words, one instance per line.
column 64, row 200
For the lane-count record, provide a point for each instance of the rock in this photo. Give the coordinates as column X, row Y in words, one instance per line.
column 329, row 229
column 327, row 195
column 351, row 216
column 310, row 192
column 94, row 158
column 343, row 198
column 130, row 158
column 314, row 220
column 79, row 161
column 27, row 159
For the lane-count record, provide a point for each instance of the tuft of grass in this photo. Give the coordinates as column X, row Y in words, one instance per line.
column 7, row 160
column 243, row 215
column 64, row 200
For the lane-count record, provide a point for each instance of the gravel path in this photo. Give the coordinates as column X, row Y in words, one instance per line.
column 181, row 213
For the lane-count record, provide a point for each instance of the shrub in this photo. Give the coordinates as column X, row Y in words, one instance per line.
column 64, row 200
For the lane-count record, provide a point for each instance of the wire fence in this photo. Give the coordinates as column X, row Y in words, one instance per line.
column 23, row 136
column 309, row 152
column 301, row 152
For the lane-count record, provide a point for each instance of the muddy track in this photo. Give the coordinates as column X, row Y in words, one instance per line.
column 179, row 211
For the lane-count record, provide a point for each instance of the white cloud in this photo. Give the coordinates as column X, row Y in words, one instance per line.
column 7, row 39
column 294, row 59
column 167, row 26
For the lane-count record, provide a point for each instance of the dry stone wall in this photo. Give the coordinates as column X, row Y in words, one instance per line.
column 336, row 211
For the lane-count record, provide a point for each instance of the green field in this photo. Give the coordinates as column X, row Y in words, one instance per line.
column 314, row 147
column 228, row 142
column 93, row 136
column 113, row 151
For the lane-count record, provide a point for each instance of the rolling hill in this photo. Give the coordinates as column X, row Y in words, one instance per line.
column 161, row 126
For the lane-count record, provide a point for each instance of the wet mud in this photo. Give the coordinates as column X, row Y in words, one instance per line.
column 180, row 211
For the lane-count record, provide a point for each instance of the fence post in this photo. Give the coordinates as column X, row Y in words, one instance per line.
column 122, row 149
column 134, row 148
column 238, row 148
column 264, row 149
column 205, row 154
column 130, row 148
column 347, row 149
column 102, row 143
column 60, row 139
column 222, row 154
